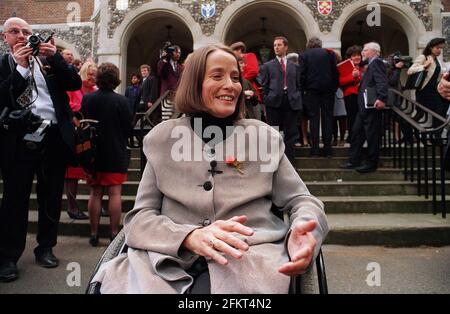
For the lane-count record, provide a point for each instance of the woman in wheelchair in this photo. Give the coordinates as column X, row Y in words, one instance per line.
column 202, row 220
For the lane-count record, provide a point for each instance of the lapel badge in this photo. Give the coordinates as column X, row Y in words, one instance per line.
column 233, row 162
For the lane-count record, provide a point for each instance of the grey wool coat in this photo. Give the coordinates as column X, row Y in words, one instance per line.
column 172, row 201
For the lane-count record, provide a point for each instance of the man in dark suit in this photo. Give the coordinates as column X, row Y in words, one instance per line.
column 148, row 92
column 281, row 94
column 169, row 69
column 25, row 83
column 368, row 120
column 319, row 82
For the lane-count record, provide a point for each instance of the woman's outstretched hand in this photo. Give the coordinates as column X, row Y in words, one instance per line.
column 217, row 239
column 301, row 245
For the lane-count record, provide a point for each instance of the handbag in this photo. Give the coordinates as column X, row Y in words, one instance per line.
column 415, row 80
column 85, row 142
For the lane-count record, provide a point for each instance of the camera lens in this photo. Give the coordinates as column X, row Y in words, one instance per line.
column 33, row 40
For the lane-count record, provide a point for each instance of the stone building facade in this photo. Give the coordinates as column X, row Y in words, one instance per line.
column 131, row 32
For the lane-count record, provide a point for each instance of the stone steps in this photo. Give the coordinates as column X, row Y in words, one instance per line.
column 335, row 162
column 395, row 230
column 333, row 204
column 378, row 208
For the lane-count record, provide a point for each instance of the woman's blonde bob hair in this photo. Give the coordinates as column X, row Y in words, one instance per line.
column 188, row 97
column 85, row 69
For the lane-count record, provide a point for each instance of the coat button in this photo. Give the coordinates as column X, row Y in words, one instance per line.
column 211, row 153
column 207, row 186
column 206, row 222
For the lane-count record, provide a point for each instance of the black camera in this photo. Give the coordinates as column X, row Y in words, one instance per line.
column 24, row 121
column 35, row 40
column 397, row 57
column 169, row 49
column 35, row 141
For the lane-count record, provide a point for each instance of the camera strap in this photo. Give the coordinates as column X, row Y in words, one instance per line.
column 25, row 100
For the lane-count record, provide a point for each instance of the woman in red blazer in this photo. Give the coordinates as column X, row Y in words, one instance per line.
column 350, row 86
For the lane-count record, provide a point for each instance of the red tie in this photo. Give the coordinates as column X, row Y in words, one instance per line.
column 283, row 68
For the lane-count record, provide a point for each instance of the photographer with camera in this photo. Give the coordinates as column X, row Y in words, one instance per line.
column 395, row 64
column 168, row 69
column 37, row 138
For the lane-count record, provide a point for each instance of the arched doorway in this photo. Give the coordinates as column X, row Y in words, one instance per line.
column 148, row 35
column 390, row 35
column 258, row 23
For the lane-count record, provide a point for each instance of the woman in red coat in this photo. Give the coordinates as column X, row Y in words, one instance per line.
column 350, row 86
column 88, row 73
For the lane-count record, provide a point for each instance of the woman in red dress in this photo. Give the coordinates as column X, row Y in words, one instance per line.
column 88, row 75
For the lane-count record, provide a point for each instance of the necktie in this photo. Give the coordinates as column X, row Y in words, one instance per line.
column 283, row 68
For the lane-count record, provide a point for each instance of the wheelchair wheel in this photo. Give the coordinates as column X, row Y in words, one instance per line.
column 116, row 247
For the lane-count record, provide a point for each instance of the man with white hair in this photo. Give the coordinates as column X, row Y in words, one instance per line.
column 368, row 120
column 68, row 56
column 35, row 87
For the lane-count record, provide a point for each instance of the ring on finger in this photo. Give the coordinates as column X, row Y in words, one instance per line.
column 213, row 243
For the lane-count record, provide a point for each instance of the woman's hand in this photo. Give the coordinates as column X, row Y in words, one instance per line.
column 301, row 245
column 428, row 62
column 217, row 239
column 355, row 73
column 248, row 94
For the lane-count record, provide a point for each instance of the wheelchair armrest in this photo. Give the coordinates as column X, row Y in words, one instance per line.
column 314, row 280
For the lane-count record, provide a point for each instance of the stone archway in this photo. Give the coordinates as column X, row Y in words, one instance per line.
column 390, row 36
column 146, row 25
column 400, row 28
column 148, row 36
column 243, row 21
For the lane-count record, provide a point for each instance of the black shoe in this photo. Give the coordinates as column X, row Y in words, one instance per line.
column 93, row 240
column 367, row 168
column 78, row 215
column 349, row 165
column 8, row 272
column 46, row 259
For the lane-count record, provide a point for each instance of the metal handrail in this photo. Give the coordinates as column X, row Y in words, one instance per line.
column 406, row 155
column 413, row 122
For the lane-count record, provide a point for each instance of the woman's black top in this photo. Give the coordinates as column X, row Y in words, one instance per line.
column 114, row 128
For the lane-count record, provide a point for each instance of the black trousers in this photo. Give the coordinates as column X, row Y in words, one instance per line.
column 320, row 105
column 18, row 174
column 286, row 119
column 367, row 125
column 351, row 106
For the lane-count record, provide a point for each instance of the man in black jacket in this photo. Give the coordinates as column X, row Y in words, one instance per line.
column 39, row 84
column 281, row 94
column 319, row 81
column 148, row 92
column 368, row 120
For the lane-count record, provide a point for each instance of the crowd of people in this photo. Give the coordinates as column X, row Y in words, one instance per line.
column 299, row 93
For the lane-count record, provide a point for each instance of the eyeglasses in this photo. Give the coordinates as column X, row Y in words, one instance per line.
column 16, row 32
